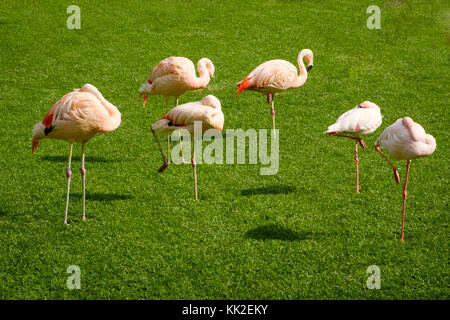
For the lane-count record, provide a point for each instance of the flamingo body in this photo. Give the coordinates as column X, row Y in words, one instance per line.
column 173, row 76
column 208, row 111
column 362, row 120
column 275, row 76
column 406, row 140
column 77, row 117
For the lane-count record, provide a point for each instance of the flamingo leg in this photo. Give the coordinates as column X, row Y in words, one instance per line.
column 165, row 163
column 68, row 175
column 83, row 182
column 272, row 112
column 168, row 136
column 408, row 164
column 179, row 136
column 359, row 140
column 181, row 146
column 357, row 169
column 194, row 169
column 396, row 175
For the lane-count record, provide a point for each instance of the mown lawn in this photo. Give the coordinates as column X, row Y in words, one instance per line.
column 300, row 234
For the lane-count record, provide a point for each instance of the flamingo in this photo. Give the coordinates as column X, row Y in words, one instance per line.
column 275, row 76
column 77, row 117
column 362, row 120
column 405, row 140
column 172, row 77
column 208, row 111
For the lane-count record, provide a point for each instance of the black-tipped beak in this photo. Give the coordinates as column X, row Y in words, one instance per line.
column 309, row 68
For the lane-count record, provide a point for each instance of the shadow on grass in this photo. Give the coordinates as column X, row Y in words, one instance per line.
column 268, row 190
column 99, row 196
column 3, row 213
column 276, row 232
column 63, row 158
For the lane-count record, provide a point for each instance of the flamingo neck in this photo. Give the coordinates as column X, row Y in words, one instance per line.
column 112, row 109
column 303, row 72
column 203, row 80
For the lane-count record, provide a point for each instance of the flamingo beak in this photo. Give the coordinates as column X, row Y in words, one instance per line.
column 309, row 68
column 145, row 100
column 34, row 145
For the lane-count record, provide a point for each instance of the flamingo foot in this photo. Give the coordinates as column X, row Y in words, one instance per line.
column 362, row 143
column 65, row 223
column 163, row 167
column 83, row 218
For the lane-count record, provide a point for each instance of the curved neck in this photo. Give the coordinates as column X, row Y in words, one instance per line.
column 110, row 108
column 203, row 80
column 303, row 72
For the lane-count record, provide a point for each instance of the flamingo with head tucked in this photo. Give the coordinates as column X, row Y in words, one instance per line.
column 207, row 111
column 275, row 76
column 405, row 140
column 173, row 76
column 77, row 117
column 362, row 120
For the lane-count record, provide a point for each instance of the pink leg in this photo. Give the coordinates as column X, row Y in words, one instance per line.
column 408, row 163
column 359, row 140
column 396, row 175
column 357, row 170
column 165, row 162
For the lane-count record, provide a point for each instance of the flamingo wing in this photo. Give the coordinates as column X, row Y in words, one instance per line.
column 357, row 120
column 270, row 76
column 77, row 106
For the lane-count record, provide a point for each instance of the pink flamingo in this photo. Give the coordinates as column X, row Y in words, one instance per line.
column 405, row 140
column 362, row 120
column 172, row 77
column 275, row 76
column 77, row 117
column 208, row 111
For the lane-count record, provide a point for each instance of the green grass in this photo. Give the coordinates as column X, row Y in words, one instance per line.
column 300, row 234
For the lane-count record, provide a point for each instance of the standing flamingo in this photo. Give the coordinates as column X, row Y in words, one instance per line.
column 274, row 76
column 172, row 77
column 405, row 140
column 208, row 111
column 359, row 121
column 77, row 117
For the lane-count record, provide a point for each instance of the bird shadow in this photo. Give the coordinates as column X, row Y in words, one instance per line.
column 3, row 213
column 77, row 158
column 100, row 196
column 276, row 232
column 278, row 189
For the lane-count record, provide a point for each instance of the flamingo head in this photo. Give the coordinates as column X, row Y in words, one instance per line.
column 368, row 105
column 211, row 101
column 145, row 90
column 38, row 134
column 34, row 144
column 308, row 55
